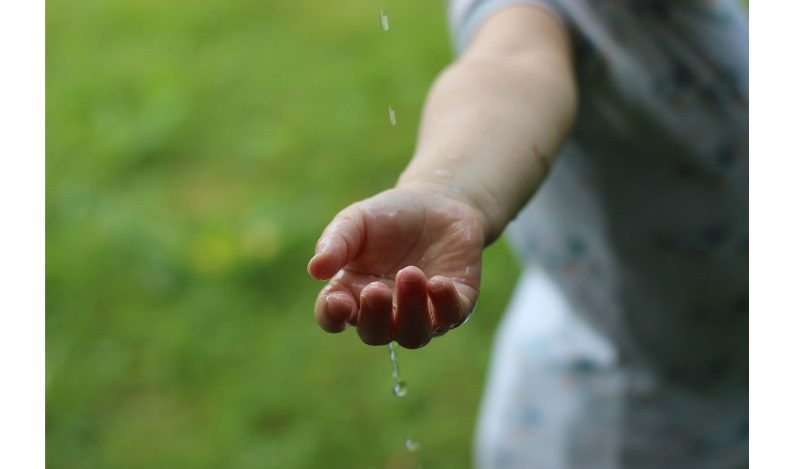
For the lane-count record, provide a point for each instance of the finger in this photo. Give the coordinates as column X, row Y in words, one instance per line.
column 447, row 309
column 333, row 311
column 339, row 244
column 350, row 283
column 374, row 324
column 412, row 319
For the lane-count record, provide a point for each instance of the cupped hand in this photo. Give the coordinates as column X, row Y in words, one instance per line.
column 403, row 265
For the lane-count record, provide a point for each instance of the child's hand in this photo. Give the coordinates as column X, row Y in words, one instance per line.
column 404, row 265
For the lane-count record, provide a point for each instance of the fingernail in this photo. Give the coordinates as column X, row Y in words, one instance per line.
column 436, row 287
column 337, row 308
column 410, row 283
column 366, row 298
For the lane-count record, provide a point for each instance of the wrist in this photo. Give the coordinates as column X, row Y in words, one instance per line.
column 445, row 186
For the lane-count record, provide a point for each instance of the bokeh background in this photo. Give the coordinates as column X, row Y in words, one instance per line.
column 195, row 151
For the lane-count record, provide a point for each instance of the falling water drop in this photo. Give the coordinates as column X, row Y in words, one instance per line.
column 393, row 359
column 384, row 21
column 391, row 116
column 400, row 387
column 412, row 445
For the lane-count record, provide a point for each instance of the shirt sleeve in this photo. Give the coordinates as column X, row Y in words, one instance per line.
column 465, row 16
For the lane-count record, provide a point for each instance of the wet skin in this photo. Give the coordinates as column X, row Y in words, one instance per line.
column 403, row 266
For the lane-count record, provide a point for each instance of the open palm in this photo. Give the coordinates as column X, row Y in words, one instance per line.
column 403, row 265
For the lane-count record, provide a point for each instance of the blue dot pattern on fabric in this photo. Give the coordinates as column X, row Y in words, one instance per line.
column 642, row 228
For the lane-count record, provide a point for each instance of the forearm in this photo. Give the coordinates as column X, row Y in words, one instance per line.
column 495, row 119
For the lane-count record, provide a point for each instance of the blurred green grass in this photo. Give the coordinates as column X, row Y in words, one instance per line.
column 195, row 151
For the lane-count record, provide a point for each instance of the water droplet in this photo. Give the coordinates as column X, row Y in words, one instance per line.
column 384, row 21
column 400, row 389
column 444, row 173
column 393, row 359
column 391, row 116
column 412, row 445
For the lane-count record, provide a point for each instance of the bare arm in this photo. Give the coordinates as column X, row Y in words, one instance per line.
column 494, row 119
column 491, row 125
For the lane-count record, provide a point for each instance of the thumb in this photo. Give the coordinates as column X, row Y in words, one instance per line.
column 339, row 244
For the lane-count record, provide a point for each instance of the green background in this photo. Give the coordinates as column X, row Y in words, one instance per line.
column 195, row 151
